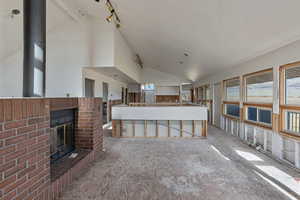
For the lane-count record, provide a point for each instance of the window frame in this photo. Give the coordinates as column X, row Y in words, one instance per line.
column 224, row 109
column 258, row 105
column 261, row 107
column 225, row 101
column 245, row 95
column 283, row 106
column 224, row 89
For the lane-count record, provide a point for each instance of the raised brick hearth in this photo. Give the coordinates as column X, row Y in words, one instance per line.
column 25, row 148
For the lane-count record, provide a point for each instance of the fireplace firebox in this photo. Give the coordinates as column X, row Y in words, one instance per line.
column 62, row 140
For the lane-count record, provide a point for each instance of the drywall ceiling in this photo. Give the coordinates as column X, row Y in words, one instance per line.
column 113, row 73
column 217, row 34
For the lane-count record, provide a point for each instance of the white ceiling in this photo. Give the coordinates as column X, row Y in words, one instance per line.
column 216, row 33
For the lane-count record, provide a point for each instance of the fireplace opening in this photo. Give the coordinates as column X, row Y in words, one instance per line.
column 62, row 140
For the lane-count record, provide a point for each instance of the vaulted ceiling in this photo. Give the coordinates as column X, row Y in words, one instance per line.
column 216, row 34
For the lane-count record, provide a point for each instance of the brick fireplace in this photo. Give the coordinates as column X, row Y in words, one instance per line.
column 29, row 138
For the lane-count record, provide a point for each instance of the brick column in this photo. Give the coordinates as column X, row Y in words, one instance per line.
column 89, row 132
column 24, row 148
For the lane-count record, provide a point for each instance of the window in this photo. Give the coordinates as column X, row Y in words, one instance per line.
column 149, row 87
column 259, row 115
column 290, row 99
column 204, row 93
column 292, row 85
column 259, row 87
column 232, row 89
column 293, row 122
column 232, row 110
column 89, row 88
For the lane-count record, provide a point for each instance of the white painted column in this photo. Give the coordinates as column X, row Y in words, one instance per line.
column 254, row 135
column 265, row 140
column 226, row 124
column 242, row 130
column 221, row 121
column 237, row 128
column 232, row 126
column 297, row 154
column 277, row 140
column 246, row 133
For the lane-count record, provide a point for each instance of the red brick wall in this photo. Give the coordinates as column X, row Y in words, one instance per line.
column 89, row 134
column 24, row 148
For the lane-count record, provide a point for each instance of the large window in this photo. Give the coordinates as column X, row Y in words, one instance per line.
column 232, row 89
column 259, row 87
column 258, row 98
column 232, row 110
column 259, row 115
column 290, row 99
column 292, row 85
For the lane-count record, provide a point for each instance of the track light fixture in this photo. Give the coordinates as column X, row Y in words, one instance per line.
column 113, row 15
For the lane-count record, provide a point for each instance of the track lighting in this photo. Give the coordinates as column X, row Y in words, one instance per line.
column 113, row 15
column 109, row 18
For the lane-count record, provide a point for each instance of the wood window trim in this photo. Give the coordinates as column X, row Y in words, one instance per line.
column 282, row 101
column 257, row 105
column 257, row 73
column 224, row 91
column 231, row 102
column 258, row 124
column 230, row 79
column 244, row 81
column 293, row 64
column 289, row 135
column 229, row 116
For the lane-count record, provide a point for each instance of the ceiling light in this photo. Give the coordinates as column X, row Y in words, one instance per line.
column 109, row 18
column 113, row 15
column 15, row 12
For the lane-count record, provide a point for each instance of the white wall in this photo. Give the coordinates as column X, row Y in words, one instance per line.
column 124, row 57
column 150, row 75
column 102, row 35
column 284, row 55
column 72, row 43
column 114, row 87
column 68, row 50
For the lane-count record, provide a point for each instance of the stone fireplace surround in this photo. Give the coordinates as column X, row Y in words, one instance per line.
column 25, row 148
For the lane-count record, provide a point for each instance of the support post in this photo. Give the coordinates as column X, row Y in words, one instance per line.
column 297, row 154
column 265, row 140
column 254, row 136
column 246, row 133
column 34, row 59
column 231, row 127
column 204, row 129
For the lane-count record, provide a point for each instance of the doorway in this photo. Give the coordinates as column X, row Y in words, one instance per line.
column 217, row 101
column 105, row 102
column 89, row 88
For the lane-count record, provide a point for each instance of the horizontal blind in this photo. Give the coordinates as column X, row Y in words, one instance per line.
column 233, row 82
column 293, row 72
column 260, row 78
